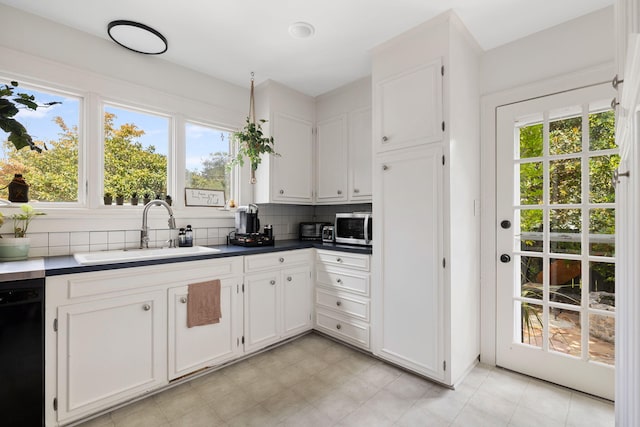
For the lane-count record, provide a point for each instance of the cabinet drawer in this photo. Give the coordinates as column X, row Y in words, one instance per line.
column 343, row 280
column 343, row 259
column 343, row 303
column 347, row 329
column 271, row 260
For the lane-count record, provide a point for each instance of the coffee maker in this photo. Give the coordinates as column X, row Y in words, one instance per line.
column 247, row 232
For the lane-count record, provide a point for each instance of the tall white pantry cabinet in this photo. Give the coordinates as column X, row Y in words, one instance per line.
column 426, row 282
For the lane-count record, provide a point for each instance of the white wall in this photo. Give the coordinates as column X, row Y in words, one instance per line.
column 579, row 44
column 575, row 54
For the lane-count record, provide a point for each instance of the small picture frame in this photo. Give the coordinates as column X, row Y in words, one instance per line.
column 203, row 197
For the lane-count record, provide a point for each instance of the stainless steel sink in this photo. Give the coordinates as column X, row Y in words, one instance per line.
column 129, row 255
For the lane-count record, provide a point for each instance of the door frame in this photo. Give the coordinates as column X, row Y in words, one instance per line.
column 488, row 116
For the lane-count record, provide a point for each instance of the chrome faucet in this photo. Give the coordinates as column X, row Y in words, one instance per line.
column 144, row 233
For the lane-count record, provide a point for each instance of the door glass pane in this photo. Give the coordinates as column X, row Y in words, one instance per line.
column 602, row 228
column 565, row 136
column 602, row 338
column 531, row 183
column 531, row 141
column 602, row 285
column 531, row 228
column 565, row 181
column 531, row 277
column 531, row 323
column 601, row 169
column 565, row 331
column 565, row 282
column 565, row 226
column 602, row 131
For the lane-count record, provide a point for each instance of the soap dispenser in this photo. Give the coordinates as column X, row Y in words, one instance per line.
column 188, row 233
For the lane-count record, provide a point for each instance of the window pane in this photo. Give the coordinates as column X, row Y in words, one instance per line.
column 52, row 174
column 531, row 277
column 135, row 153
column 565, row 281
column 531, row 324
column 531, row 228
column 565, row 331
column 602, row 338
column 602, row 131
column 207, row 152
column 602, row 286
column 602, row 229
column 531, row 141
column 565, row 226
column 565, row 179
column 531, row 183
column 565, row 136
column 601, row 169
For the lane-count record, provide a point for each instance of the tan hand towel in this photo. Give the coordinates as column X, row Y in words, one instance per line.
column 203, row 303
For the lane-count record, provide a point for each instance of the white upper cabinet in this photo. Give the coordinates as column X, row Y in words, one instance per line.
column 408, row 107
column 287, row 178
column 332, row 160
column 343, row 167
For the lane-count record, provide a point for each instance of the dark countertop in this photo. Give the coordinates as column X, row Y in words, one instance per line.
column 54, row 266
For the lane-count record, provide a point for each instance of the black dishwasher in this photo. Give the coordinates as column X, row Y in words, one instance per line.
column 22, row 353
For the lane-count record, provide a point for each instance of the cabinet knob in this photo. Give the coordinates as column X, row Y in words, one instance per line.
column 339, row 192
column 339, row 280
column 385, row 167
column 289, row 278
column 281, row 191
column 183, row 300
column 338, row 303
column 273, row 282
column 385, row 139
column 281, row 260
column 356, row 190
column 338, row 326
column 338, row 259
column 146, row 307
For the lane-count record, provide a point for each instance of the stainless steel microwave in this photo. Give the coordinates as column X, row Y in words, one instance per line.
column 353, row 228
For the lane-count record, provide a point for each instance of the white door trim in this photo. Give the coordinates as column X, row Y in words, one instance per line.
column 489, row 104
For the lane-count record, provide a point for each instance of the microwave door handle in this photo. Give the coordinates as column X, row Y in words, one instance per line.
column 366, row 229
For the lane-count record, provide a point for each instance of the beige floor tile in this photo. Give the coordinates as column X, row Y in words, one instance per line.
column 389, row 405
column 200, row 417
column 101, row 421
column 336, row 374
column 263, row 388
column 417, row 417
column 146, row 405
column 585, row 411
column 409, row 386
column 365, row 417
column 254, row 417
column 470, row 416
column 493, row 405
column 313, row 343
column 379, row 374
column 525, row 417
column 476, row 377
column 176, row 405
column 267, row 362
column 143, row 419
column 335, row 353
column 442, row 402
column 358, row 390
column 232, row 404
column 290, row 375
column 547, row 399
column 336, row 406
column 242, row 373
column 214, row 386
column 285, row 404
column 307, row 417
column 505, row 384
column 357, row 362
column 312, row 388
column 290, row 353
column 312, row 364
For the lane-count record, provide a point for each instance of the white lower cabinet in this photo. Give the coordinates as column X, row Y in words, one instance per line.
column 110, row 350
column 277, row 299
column 199, row 347
column 342, row 296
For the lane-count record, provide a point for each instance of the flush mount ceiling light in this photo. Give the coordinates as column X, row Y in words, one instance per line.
column 301, row 30
column 137, row 37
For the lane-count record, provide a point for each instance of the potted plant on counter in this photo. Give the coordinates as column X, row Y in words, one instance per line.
column 16, row 246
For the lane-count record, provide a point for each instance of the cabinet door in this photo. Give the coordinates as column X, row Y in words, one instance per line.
column 360, row 160
column 293, row 169
column 195, row 348
column 332, row 160
column 408, row 108
column 408, row 264
column 110, row 350
column 296, row 300
column 261, row 308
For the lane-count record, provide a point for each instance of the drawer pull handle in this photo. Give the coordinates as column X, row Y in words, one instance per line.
column 339, row 192
column 338, row 303
column 338, row 259
column 281, row 260
column 183, row 300
column 338, row 326
column 281, row 191
column 385, row 138
column 273, row 282
column 146, row 307
column 339, row 281
column 355, row 190
column 289, row 278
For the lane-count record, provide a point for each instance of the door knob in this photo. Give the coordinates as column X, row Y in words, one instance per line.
column 506, row 224
column 505, row 258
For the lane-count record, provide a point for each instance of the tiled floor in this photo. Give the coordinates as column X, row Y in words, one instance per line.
column 314, row 381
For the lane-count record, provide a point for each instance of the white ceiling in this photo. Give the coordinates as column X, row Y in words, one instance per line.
column 228, row 39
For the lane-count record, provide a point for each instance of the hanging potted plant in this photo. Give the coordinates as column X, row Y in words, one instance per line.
column 16, row 246
column 251, row 141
